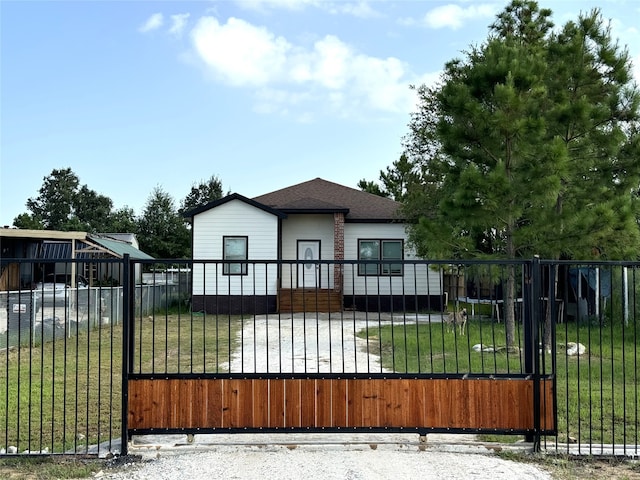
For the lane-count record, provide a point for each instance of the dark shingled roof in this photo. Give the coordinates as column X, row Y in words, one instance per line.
column 318, row 195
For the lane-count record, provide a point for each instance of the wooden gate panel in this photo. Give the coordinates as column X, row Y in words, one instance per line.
column 476, row 404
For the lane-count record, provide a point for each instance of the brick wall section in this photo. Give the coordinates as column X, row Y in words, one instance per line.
column 338, row 249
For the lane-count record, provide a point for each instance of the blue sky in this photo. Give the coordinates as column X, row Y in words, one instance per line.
column 262, row 94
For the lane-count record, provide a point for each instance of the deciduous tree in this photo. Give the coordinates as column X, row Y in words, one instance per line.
column 161, row 230
column 201, row 194
column 54, row 207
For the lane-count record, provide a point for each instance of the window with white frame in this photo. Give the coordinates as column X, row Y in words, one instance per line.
column 383, row 251
column 234, row 248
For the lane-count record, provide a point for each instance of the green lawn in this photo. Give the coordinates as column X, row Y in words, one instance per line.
column 65, row 394
column 432, row 348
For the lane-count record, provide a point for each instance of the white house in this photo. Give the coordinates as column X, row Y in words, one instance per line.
column 298, row 247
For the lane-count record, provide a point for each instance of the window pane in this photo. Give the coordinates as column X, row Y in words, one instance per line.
column 392, row 250
column 234, row 248
column 368, row 250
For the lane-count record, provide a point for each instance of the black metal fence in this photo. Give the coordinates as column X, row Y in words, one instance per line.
column 61, row 354
column 62, row 383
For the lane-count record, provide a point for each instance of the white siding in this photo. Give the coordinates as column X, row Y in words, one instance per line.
column 420, row 280
column 235, row 218
column 307, row 227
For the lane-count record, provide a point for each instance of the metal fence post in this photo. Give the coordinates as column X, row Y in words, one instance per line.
column 532, row 345
column 127, row 342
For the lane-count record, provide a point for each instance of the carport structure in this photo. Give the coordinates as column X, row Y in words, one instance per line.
column 56, row 251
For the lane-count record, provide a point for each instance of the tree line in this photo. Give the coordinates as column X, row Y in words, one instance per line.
column 62, row 203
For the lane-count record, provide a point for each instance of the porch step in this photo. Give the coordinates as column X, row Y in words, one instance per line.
column 309, row 300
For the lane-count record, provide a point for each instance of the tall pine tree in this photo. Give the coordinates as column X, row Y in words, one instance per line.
column 527, row 146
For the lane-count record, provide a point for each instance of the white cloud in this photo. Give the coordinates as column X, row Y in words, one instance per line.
column 331, row 62
column 357, row 9
column 454, row 16
column 264, row 5
column 154, row 22
column 360, row 8
column 240, row 53
column 179, row 21
column 287, row 79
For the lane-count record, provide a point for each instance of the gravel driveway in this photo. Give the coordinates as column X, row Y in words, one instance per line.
column 311, row 343
column 381, row 457
column 316, row 344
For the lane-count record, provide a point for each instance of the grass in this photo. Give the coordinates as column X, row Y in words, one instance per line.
column 49, row 468
column 598, row 393
column 565, row 467
column 65, row 395
column 432, row 348
column 173, row 343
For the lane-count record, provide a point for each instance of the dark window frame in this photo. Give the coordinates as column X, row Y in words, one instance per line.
column 381, row 269
column 229, row 267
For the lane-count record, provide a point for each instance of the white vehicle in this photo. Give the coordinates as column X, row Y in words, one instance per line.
column 56, row 287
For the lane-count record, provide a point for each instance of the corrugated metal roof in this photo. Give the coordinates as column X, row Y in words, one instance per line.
column 55, row 250
column 63, row 250
column 120, row 248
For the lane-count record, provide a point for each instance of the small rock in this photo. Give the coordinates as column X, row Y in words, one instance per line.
column 479, row 347
column 575, row 349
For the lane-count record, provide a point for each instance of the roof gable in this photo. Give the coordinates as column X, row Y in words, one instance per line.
column 229, row 198
column 319, row 195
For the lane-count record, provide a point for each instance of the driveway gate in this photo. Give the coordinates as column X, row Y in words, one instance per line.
column 347, row 371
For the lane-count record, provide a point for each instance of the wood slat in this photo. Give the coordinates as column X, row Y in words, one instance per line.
column 292, row 402
column 308, row 403
column 489, row 404
column 261, row 408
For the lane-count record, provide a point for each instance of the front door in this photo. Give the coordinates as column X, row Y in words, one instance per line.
column 308, row 273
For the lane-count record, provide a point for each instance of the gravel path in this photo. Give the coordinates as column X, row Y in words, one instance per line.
column 324, row 462
column 309, row 343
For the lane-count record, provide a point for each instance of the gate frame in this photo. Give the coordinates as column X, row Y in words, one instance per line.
column 543, row 386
